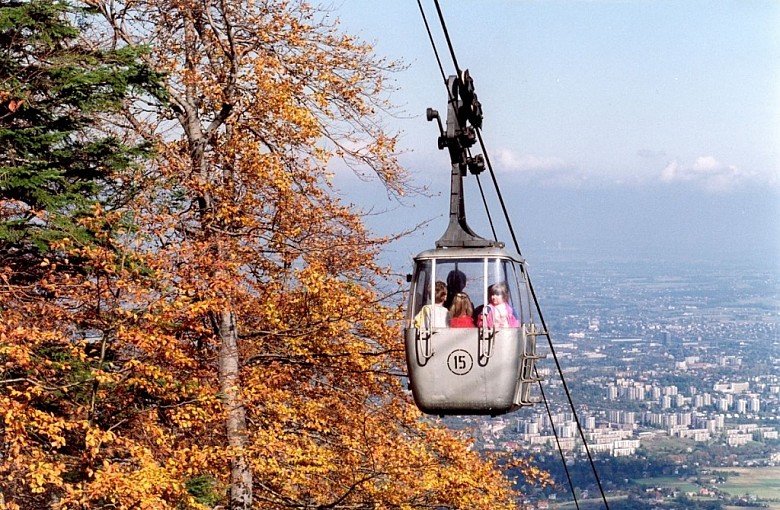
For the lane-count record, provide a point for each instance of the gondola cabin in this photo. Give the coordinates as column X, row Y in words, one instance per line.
column 470, row 332
column 470, row 337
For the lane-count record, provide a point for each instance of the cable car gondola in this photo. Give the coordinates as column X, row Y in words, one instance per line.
column 485, row 364
column 451, row 369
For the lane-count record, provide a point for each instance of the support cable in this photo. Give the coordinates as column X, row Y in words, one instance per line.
column 433, row 45
column 549, row 340
column 447, row 37
column 555, row 434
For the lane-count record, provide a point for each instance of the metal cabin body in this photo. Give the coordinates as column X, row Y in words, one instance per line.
column 485, row 370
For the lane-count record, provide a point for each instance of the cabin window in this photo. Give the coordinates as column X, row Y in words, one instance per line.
column 473, row 276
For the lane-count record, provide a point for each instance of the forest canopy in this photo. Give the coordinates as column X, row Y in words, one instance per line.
column 190, row 315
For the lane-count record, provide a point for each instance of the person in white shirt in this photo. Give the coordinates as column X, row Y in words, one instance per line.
column 434, row 315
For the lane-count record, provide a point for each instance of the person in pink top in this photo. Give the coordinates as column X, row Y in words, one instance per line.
column 498, row 312
column 461, row 311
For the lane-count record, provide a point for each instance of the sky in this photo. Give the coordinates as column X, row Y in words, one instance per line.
column 616, row 128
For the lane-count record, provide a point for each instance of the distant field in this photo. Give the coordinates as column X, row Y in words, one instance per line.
column 670, row 482
column 762, row 482
column 769, row 506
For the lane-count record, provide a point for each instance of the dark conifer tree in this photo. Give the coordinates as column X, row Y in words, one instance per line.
column 55, row 161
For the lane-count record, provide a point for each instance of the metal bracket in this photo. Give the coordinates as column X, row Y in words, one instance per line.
column 463, row 109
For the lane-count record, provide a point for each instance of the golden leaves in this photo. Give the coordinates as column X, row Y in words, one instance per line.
column 111, row 395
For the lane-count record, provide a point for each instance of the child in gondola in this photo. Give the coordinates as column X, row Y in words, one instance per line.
column 461, row 311
column 435, row 315
column 498, row 312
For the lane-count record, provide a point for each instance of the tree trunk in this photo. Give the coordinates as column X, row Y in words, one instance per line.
column 230, row 385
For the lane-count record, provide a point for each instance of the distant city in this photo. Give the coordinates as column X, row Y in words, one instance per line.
column 652, row 351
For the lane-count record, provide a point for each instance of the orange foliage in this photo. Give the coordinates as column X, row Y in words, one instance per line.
column 110, row 390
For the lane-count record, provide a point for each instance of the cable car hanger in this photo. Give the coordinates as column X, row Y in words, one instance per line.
column 458, row 137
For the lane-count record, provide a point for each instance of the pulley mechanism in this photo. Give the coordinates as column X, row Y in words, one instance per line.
column 464, row 117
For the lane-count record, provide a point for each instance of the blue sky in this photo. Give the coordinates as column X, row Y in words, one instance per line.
column 615, row 127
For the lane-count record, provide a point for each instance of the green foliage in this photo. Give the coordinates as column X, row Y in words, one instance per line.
column 56, row 161
column 204, row 489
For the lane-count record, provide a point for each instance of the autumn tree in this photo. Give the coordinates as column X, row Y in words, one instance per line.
column 231, row 341
column 59, row 171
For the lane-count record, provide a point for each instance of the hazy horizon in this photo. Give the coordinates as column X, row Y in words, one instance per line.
column 674, row 226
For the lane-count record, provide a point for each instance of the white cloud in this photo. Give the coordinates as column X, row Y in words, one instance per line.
column 509, row 160
column 707, row 172
column 545, row 171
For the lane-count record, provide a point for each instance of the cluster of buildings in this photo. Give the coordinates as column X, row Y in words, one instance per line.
column 636, row 406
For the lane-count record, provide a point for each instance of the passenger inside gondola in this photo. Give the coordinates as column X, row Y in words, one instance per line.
column 434, row 315
column 461, row 311
column 498, row 313
column 456, row 282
